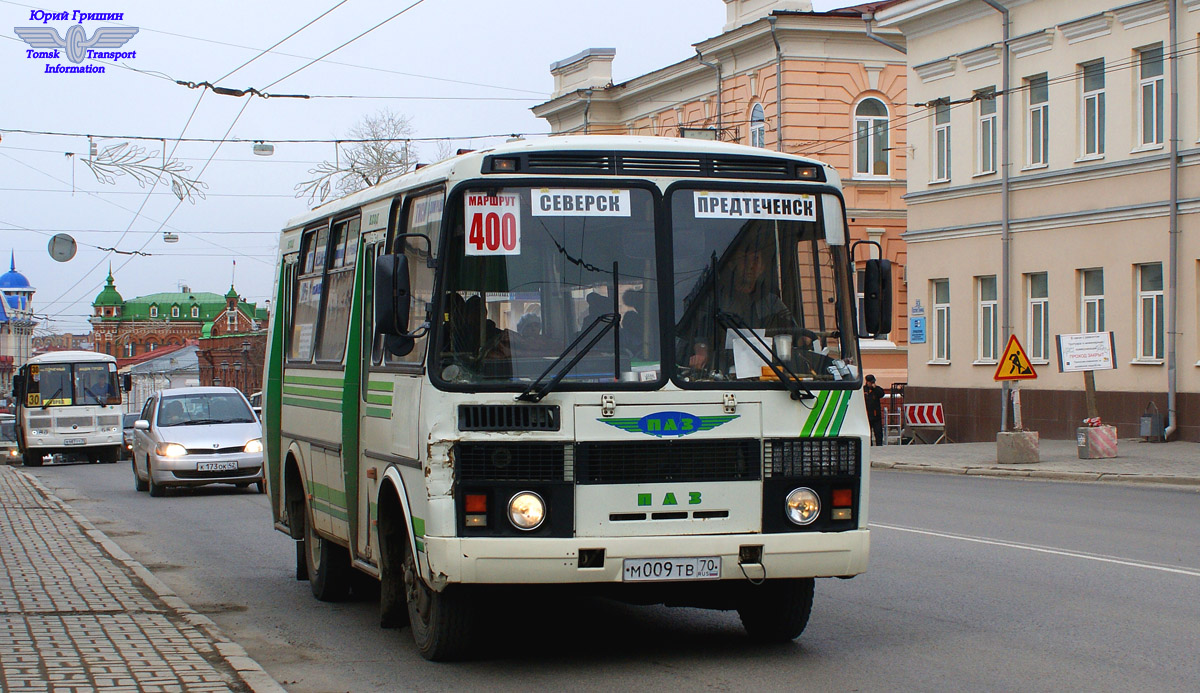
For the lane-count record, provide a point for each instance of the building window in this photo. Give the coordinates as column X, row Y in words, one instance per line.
column 1091, row 308
column 231, row 319
column 987, row 317
column 941, row 140
column 1038, row 317
column 1039, row 120
column 941, row 320
column 871, row 138
column 1150, row 95
column 130, row 350
column 1092, row 127
column 174, row 311
column 985, row 156
column 758, row 126
column 195, row 311
column 151, row 346
column 154, row 311
column 1150, row 311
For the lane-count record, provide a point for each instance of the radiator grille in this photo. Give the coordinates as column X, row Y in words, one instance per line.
column 111, row 420
column 508, row 417
column 570, row 163
column 216, row 451
column 68, row 421
column 663, row 461
column 39, row 422
column 812, row 457
column 748, row 167
column 194, row 475
column 513, row 461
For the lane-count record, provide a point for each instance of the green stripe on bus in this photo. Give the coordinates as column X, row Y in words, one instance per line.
column 377, row 413
column 312, row 392
column 312, row 404
column 838, row 418
column 379, row 399
column 822, row 428
column 420, row 545
column 418, row 527
column 334, row 512
column 814, row 413
column 312, row 380
column 326, row 493
column 381, row 386
column 374, row 510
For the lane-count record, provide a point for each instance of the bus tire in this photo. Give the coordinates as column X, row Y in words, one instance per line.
column 776, row 611
column 328, row 565
column 441, row 621
column 32, row 458
column 139, row 484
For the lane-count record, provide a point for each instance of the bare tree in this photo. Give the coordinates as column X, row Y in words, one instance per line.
column 382, row 150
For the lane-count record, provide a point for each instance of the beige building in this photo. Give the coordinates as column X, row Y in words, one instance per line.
column 1102, row 164
column 783, row 77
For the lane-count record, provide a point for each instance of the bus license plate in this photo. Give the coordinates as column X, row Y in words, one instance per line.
column 230, row 466
column 655, row 569
column 75, row 441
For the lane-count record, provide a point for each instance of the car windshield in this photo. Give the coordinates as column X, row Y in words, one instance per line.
column 203, row 408
column 536, row 277
column 756, row 288
column 8, row 431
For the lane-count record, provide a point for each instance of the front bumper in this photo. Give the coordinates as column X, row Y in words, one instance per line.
column 527, row 560
column 184, row 470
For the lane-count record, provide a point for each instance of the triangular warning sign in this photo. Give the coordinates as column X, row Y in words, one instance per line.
column 1014, row 365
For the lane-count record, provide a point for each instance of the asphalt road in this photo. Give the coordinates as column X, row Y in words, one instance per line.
column 974, row 584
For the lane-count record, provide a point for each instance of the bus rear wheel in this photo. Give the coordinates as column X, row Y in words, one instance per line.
column 776, row 611
column 328, row 565
column 441, row 621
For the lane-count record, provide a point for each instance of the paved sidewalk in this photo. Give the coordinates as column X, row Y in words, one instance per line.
column 1176, row 463
column 78, row 614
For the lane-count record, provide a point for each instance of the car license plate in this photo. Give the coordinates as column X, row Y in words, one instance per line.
column 75, row 441
column 230, row 466
column 654, row 569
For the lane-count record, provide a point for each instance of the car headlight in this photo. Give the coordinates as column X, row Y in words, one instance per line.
column 802, row 506
column 171, row 450
column 253, row 446
column 526, row 511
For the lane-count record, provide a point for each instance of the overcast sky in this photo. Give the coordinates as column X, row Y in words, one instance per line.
column 459, row 69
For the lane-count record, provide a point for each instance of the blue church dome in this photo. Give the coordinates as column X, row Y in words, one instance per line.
column 12, row 280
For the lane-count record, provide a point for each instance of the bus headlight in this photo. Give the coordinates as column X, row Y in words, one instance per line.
column 802, row 506
column 40, row 432
column 253, row 446
column 526, row 510
column 171, row 450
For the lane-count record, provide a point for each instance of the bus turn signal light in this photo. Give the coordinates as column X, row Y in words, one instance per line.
column 842, row 498
column 476, row 503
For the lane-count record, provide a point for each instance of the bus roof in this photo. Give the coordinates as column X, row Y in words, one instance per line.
column 71, row 357
column 469, row 164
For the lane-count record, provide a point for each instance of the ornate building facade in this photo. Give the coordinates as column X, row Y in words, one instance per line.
column 16, row 323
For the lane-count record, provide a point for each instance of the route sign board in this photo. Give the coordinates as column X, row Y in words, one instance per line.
column 1014, row 365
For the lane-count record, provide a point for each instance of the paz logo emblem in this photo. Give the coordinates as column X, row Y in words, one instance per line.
column 670, row 423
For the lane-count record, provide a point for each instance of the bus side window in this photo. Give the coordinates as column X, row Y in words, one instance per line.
column 424, row 216
column 308, row 294
column 339, row 287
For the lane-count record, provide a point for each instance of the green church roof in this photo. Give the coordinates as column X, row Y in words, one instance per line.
column 108, row 296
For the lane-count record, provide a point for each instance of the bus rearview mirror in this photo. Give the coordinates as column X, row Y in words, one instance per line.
column 877, row 296
column 392, row 300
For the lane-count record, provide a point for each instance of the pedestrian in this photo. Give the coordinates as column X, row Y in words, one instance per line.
column 874, row 397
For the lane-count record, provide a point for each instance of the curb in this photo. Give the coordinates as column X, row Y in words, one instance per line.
column 249, row 671
column 1042, row 475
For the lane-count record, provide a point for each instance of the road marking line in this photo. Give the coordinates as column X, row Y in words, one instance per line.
column 1043, row 549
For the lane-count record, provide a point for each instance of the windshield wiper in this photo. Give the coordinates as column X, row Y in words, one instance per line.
column 46, row 402
column 610, row 320
column 786, row 376
column 203, row 422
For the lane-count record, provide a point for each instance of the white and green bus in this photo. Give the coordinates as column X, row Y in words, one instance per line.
column 629, row 365
column 69, row 404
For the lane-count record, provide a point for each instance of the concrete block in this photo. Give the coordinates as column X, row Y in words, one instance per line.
column 1017, row 447
column 1096, row 442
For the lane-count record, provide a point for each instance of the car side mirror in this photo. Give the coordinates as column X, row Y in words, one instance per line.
column 141, row 425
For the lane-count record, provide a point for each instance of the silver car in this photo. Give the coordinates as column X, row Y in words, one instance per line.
column 195, row 436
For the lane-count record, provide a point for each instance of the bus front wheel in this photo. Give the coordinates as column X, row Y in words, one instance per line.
column 777, row 610
column 32, row 458
column 441, row 621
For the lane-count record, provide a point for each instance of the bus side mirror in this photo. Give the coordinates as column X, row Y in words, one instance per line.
column 126, row 382
column 392, row 294
column 877, row 297
column 18, row 382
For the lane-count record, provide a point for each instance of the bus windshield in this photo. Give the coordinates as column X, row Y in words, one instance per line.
column 539, row 275
column 66, row 384
column 756, row 291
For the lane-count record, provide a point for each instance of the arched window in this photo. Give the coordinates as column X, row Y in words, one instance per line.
column 174, row 311
column 151, row 346
column 871, row 139
column 758, row 126
column 154, row 311
column 195, row 311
